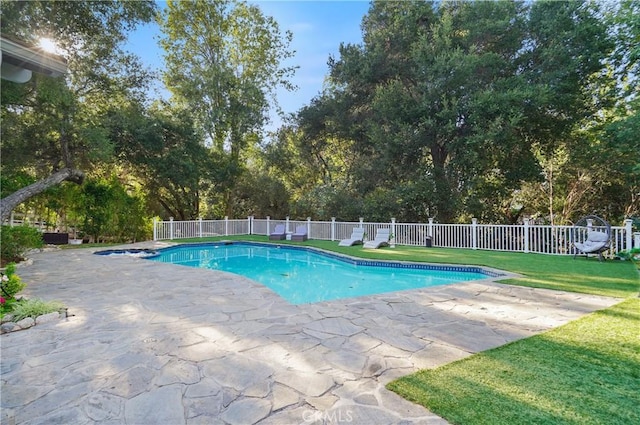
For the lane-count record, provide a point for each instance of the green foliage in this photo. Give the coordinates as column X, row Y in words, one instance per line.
column 55, row 121
column 438, row 100
column 625, row 18
column 223, row 64
column 98, row 202
column 34, row 308
column 15, row 241
column 166, row 156
column 466, row 100
column 10, row 182
column 629, row 254
column 52, row 124
column 6, row 305
column 11, row 282
column 257, row 191
column 107, row 210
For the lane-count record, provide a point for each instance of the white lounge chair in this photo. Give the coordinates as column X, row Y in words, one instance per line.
column 381, row 239
column 356, row 237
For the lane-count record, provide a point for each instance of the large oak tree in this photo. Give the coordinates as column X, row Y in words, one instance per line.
column 449, row 102
column 51, row 127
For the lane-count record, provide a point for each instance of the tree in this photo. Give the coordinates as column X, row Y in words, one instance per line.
column 51, row 126
column 435, row 86
column 223, row 63
column 622, row 131
column 160, row 147
column 568, row 45
column 453, row 106
column 104, row 208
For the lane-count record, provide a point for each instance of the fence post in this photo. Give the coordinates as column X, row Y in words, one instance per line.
column 474, row 233
column 226, row 225
column 333, row 228
column 268, row 226
column 286, row 228
column 430, row 228
column 309, row 227
column 250, row 224
column 361, row 222
column 200, row 227
column 11, row 219
column 628, row 234
column 155, row 229
column 393, row 229
column 526, row 235
column 171, row 228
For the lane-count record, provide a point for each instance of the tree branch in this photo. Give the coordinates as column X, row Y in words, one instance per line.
column 9, row 203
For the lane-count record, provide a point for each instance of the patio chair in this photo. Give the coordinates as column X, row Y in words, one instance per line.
column 355, row 239
column 300, row 234
column 278, row 233
column 591, row 235
column 381, row 239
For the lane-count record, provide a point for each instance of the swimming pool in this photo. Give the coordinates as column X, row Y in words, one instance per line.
column 302, row 275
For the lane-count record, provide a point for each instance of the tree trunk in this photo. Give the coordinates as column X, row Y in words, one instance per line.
column 16, row 198
column 445, row 198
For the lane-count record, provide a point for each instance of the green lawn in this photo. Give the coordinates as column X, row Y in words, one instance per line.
column 609, row 278
column 585, row 372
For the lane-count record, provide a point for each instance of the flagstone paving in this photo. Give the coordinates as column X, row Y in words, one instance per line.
column 154, row 343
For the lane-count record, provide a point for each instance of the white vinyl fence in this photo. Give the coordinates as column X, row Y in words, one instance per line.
column 527, row 237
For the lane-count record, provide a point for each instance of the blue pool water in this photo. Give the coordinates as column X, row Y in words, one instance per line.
column 301, row 275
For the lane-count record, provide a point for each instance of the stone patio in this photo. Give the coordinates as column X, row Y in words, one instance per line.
column 154, row 343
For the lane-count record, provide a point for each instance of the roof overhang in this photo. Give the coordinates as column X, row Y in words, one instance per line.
column 19, row 62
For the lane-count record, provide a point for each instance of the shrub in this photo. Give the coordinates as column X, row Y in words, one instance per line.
column 630, row 254
column 6, row 306
column 15, row 241
column 11, row 283
column 34, row 308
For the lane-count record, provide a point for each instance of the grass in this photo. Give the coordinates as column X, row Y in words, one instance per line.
column 585, row 372
column 609, row 278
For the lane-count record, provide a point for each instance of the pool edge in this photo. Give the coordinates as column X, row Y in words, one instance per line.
column 490, row 272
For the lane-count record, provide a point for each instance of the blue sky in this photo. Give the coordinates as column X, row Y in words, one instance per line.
column 318, row 28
